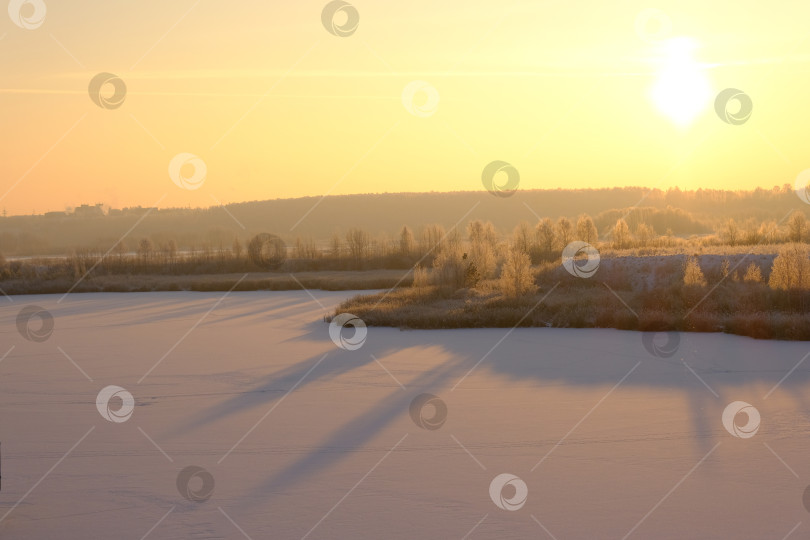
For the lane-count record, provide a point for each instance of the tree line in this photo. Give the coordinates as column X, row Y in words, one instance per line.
column 483, row 248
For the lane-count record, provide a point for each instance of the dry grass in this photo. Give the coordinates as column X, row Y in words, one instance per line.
column 329, row 281
column 631, row 293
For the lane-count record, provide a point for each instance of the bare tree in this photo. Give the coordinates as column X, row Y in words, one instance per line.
column 516, row 275
column 565, row 231
column 452, row 240
column 791, row 268
column 145, row 249
column 621, row 234
column 797, row 226
column 406, row 242
column 172, row 249
column 522, row 238
column 267, row 251
column 645, row 235
column 358, row 242
column 751, row 235
column 731, row 232
column 479, row 231
column 450, row 268
column 236, row 248
column 482, row 248
column 335, row 246
column 769, row 232
column 586, row 230
column 169, row 251
column 432, row 239
column 546, row 236
column 120, row 250
column 305, row 248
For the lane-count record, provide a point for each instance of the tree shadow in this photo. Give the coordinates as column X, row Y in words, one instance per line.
column 711, row 370
column 354, row 434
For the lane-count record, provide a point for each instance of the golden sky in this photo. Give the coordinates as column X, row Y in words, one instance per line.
column 572, row 93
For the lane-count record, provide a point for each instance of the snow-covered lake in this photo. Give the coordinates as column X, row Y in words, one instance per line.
column 290, row 436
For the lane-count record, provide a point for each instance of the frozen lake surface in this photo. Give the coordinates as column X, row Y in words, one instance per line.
column 294, row 437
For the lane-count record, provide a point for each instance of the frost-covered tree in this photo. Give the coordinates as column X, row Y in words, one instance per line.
column 692, row 274
column 586, row 230
column 791, row 268
column 516, row 275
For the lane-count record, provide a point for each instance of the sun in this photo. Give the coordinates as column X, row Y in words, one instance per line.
column 682, row 91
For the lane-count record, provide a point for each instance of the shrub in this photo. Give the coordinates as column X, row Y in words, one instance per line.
column 725, row 268
column 421, row 280
column 693, row 275
column 753, row 274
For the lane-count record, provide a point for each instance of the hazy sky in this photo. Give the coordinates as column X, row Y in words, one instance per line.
column 572, row 93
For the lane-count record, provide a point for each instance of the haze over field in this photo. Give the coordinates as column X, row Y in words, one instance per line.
column 681, row 213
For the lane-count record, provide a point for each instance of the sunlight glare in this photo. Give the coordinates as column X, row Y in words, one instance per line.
column 682, row 91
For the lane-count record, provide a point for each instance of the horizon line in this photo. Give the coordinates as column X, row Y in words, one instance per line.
column 106, row 208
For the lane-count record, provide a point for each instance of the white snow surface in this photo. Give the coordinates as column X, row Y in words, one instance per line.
column 304, row 439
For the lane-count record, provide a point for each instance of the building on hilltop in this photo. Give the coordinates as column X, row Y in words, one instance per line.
column 87, row 210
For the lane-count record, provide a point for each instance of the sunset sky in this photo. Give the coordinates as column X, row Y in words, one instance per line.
column 573, row 94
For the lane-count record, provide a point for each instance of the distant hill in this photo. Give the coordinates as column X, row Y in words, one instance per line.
column 684, row 212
